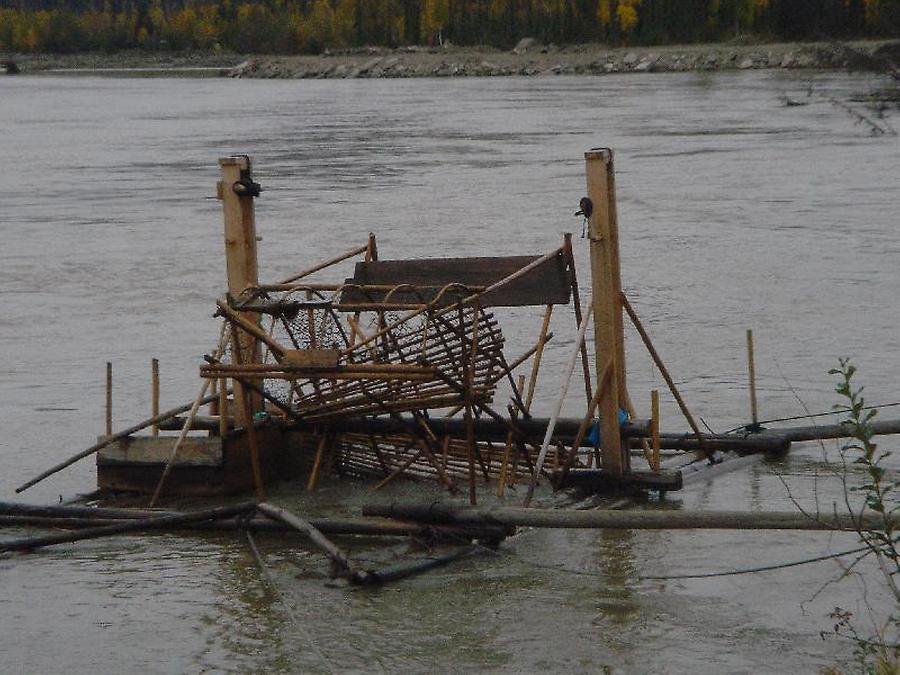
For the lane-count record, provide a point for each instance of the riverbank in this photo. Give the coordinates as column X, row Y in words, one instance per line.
column 529, row 58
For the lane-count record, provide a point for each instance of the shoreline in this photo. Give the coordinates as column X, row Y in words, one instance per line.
column 529, row 58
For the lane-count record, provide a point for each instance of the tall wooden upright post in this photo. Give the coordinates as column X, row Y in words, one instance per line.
column 606, row 282
column 237, row 191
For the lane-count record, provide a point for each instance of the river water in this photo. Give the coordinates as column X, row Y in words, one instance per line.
column 735, row 212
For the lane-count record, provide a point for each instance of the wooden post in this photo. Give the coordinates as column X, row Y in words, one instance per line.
column 154, row 377
column 751, row 370
column 654, row 429
column 109, row 398
column 538, row 355
column 237, row 191
column 223, row 407
column 609, row 340
column 317, row 463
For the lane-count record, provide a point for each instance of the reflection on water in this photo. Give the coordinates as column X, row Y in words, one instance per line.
column 735, row 212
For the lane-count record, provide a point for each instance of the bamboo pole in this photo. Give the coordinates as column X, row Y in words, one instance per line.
column 328, row 263
column 564, row 388
column 751, row 372
column 154, row 385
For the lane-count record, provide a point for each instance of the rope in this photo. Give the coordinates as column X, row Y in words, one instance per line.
column 700, row 575
column 270, row 583
column 837, row 411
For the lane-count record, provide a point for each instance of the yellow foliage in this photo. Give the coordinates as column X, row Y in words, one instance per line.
column 604, row 12
column 627, row 14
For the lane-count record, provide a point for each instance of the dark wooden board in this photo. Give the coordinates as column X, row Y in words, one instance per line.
column 546, row 284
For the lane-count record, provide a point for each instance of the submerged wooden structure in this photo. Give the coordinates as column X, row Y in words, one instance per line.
column 394, row 370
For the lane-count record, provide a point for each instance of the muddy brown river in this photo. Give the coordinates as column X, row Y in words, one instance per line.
column 735, row 212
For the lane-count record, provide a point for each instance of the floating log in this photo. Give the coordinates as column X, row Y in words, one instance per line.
column 775, row 443
column 342, row 565
column 78, row 511
column 825, row 431
column 365, row 527
column 136, row 525
column 439, row 512
column 414, row 567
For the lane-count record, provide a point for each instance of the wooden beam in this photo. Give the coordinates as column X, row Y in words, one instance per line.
column 609, row 340
column 237, row 191
column 751, row 376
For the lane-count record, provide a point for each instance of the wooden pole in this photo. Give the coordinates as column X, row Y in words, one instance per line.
column 639, row 326
column 250, row 431
column 201, row 397
column 654, row 429
column 108, row 399
column 507, row 447
column 609, row 340
column 154, row 386
column 564, row 387
column 585, row 426
column 340, row 526
column 237, row 191
column 538, row 355
column 438, row 512
column 223, row 407
column 109, row 440
column 317, row 463
column 341, row 562
column 751, row 370
column 576, row 305
column 157, row 522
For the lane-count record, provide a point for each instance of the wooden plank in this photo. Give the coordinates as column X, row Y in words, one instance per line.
column 194, row 451
column 545, row 284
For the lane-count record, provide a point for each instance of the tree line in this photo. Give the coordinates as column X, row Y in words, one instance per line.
column 310, row 26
